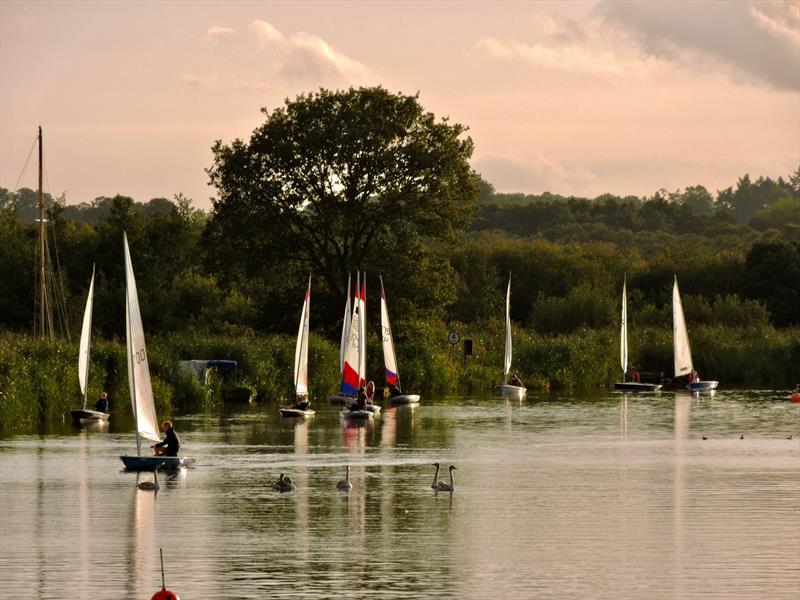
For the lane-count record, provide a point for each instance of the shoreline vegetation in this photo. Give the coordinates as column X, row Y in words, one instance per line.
column 338, row 181
column 38, row 380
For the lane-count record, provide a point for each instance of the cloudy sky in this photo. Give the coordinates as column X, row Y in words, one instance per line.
column 569, row 97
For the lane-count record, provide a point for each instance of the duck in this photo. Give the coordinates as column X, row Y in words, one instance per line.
column 284, row 484
column 436, row 482
column 152, row 486
column 344, row 484
column 447, row 487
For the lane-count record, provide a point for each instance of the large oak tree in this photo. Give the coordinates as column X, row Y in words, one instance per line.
column 335, row 181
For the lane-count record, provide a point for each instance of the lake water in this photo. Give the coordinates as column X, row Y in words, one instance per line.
column 604, row 496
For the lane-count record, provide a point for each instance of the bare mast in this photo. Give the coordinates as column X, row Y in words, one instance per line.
column 45, row 316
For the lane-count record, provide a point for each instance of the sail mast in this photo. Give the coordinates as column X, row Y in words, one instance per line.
column 623, row 334
column 45, row 319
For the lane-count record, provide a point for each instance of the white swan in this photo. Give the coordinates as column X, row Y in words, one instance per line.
column 151, row 485
column 447, row 487
column 344, row 484
column 436, row 482
column 284, row 484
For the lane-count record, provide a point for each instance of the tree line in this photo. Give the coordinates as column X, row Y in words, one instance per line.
column 337, row 181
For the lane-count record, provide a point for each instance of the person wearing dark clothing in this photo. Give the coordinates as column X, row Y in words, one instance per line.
column 301, row 403
column 102, row 403
column 171, row 442
column 394, row 390
column 361, row 400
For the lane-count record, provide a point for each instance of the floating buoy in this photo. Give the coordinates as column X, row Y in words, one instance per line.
column 164, row 594
column 796, row 397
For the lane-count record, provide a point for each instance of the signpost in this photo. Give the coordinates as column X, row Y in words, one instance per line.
column 453, row 338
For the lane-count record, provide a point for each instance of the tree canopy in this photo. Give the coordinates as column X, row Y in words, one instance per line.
column 337, row 181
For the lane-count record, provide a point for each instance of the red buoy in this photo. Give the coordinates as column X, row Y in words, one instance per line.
column 796, row 397
column 165, row 595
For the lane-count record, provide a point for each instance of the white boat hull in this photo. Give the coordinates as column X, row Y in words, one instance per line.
column 702, row 386
column 404, row 399
column 511, row 391
column 357, row 415
column 374, row 408
column 89, row 416
column 635, row 386
column 296, row 412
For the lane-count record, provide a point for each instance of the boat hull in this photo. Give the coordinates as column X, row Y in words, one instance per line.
column 404, row 399
column 149, row 463
column 88, row 416
column 374, row 408
column 511, row 391
column 635, row 386
column 702, row 386
column 296, row 413
column 357, row 415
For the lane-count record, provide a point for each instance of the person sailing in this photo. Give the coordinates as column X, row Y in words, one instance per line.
column 102, row 403
column 171, row 443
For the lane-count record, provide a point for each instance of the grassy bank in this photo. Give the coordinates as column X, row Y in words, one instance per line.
column 38, row 381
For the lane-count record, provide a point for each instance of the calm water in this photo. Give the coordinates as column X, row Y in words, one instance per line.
column 557, row 497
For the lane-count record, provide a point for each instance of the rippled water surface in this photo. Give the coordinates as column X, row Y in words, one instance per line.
column 605, row 496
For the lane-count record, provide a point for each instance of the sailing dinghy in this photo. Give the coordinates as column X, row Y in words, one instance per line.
column 342, row 397
column 389, row 358
column 85, row 415
column 629, row 386
column 353, row 372
column 683, row 353
column 301, row 364
column 507, row 389
column 144, row 409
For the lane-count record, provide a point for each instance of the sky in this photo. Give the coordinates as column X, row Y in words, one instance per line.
column 579, row 98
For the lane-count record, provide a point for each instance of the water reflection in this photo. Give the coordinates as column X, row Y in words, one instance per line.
column 605, row 496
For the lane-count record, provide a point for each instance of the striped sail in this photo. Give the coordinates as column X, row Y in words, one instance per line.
column 362, row 342
column 345, row 328
column 507, row 356
column 683, row 353
column 86, row 336
column 352, row 355
column 389, row 359
column 138, row 370
column 301, row 351
column 623, row 331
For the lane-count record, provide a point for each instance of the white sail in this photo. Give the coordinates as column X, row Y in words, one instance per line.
column 138, row 370
column 389, row 359
column 345, row 328
column 507, row 357
column 352, row 354
column 86, row 336
column 301, row 351
column 683, row 353
column 362, row 337
column 623, row 331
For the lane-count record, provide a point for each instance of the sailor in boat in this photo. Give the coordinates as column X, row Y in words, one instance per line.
column 394, row 390
column 171, row 443
column 369, row 393
column 633, row 374
column 515, row 380
column 102, row 403
column 694, row 377
column 361, row 400
column 301, row 403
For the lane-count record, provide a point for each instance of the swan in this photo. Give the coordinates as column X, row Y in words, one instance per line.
column 151, row 485
column 284, row 484
column 344, row 484
column 447, row 487
column 436, row 482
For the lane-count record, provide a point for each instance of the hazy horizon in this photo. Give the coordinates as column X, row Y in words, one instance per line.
column 577, row 98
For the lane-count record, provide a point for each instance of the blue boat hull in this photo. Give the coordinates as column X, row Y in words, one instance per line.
column 149, row 463
column 702, row 386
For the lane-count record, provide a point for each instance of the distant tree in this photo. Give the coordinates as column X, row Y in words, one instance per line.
column 698, row 199
column 772, row 274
